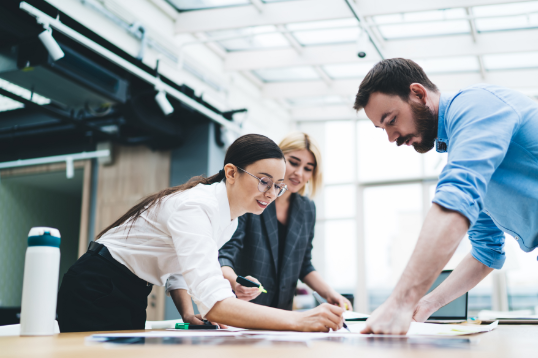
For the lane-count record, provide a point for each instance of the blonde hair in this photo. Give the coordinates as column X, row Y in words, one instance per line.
column 298, row 141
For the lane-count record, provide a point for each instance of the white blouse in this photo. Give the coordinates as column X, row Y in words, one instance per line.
column 178, row 241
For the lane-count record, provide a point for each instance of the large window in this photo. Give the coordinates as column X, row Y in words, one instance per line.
column 371, row 210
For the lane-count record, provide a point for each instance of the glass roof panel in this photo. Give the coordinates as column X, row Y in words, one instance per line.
column 249, row 38
column 185, row 5
column 318, row 101
column 506, row 9
column 287, row 74
column 325, row 32
column 327, row 36
column 7, row 104
column 318, row 25
column 511, row 61
column 450, row 65
column 427, row 29
column 348, row 70
column 423, row 24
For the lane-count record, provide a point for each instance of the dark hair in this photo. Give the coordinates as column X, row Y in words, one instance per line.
column 392, row 77
column 244, row 151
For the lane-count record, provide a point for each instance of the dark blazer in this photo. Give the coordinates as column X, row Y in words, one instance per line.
column 253, row 250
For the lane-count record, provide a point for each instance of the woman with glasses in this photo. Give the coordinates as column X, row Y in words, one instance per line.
column 173, row 236
column 275, row 248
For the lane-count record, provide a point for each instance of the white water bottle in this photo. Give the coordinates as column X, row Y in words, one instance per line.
column 40, row 285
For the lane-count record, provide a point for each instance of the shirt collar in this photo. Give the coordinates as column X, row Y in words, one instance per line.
column 225, row 216
column 441, row 143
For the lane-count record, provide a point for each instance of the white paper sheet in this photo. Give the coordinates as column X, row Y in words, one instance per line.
column 416, row 329
column 160, row 334
column 354, row 315
column 432, row 329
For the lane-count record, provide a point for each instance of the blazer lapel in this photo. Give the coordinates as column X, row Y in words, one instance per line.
column 295, row 226
column 271, row 227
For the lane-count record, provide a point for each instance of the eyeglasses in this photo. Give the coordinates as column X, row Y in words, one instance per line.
column 266, row 184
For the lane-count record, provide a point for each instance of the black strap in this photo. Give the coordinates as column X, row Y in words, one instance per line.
column 102, row 250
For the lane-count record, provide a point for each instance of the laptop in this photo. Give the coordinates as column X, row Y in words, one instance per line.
column 455, row 311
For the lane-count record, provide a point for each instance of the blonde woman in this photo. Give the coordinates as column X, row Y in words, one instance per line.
column 275, row 248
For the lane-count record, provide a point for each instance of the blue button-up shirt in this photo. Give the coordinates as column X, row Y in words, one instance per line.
column 491, row 135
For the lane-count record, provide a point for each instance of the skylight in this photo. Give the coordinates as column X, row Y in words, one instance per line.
column 318, row 101
column 348, row 70
column 287, row 74
column 449, row 65
column 506, row 16
column 250, row 38
column 186, row 5
column 509, row 61
column 7, row 104
column 423, row 24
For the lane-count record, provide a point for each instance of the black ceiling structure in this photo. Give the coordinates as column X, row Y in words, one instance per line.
column 92, row 98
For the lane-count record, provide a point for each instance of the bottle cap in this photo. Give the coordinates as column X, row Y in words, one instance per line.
column 44, row 236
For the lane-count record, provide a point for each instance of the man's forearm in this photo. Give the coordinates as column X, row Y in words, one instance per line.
column 440, row 236
column 467, row 275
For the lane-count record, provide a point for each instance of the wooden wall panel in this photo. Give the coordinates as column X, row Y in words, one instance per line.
column 135, row 173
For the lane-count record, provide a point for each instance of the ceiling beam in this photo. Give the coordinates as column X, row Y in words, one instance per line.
column 304, row 11
column 518, row 79
column 449, row 46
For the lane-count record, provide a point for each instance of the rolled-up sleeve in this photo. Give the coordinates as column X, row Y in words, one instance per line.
column 197, row 254
column 480, row 127
column 229, row 252
column 488, row 242
column 175, row 282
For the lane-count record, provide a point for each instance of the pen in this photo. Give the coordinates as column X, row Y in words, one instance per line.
column 247, row 283
column 345, row 326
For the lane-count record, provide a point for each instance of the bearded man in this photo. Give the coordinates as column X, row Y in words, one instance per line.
column 488, row 187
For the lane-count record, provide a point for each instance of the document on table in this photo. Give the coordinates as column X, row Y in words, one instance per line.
column 432, row 329
column 355, row 316
column 416, row 329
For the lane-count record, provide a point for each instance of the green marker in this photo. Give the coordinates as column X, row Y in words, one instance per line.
column 247, row 283
column 196, row 326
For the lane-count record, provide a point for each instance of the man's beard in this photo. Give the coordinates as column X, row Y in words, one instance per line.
column 426, row 125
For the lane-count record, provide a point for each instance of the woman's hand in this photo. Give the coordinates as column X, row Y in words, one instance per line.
column 197, row 319
column 335, row 298
column 247, row 293
column 321, row 318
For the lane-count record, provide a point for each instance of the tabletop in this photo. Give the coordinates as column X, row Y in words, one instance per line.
column 506, row 340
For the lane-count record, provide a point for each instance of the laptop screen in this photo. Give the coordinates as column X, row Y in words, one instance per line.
column 456, row 309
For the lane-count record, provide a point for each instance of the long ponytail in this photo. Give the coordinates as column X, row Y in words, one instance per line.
column 244, row 151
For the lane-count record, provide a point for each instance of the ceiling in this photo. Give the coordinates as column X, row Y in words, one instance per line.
column 303, row 53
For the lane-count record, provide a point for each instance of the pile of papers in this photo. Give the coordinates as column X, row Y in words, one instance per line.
column 416, row 329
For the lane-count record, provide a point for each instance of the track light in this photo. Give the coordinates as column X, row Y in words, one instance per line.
column 55, row 51
column 163, row 102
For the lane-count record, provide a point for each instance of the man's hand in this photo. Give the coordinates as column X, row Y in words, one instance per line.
column 247, row 293
column 425, row 308
column 389, row 318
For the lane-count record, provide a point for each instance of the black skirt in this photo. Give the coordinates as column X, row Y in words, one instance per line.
column 98, row 295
